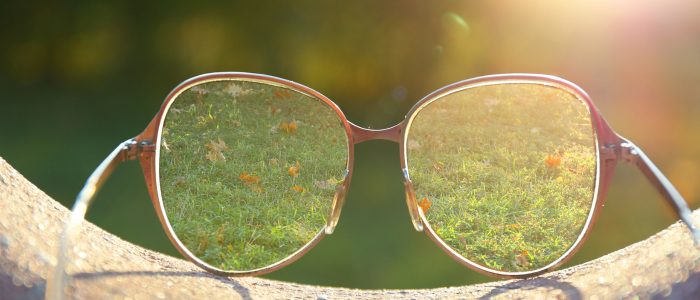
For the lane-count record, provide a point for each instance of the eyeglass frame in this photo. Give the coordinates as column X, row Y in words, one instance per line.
column 610, row 148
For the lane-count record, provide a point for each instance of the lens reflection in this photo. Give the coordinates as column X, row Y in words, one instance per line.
column 248, row 171
column 504, row 173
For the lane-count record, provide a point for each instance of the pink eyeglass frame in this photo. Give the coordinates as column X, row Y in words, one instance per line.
column 610, row 148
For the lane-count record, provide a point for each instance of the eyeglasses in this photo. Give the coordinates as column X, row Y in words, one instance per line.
column 506, row 173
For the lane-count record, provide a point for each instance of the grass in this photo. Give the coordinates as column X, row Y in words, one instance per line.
column 227, row 159
column 509, row 171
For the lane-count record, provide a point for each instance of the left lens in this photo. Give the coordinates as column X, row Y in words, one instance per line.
column 248, row 170
column 504, row 173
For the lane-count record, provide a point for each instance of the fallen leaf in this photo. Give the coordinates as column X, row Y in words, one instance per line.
column 413, row 145
column 236, row 122
column 292, row 127
column 200, row 90
column 273, row 162
column 273, row 110
column 462, row 240
column 535, row 130
column 199, row 97
column 425, row 205
column 282, row 94
column 438, row 167
column 234, row 90
column 214, row 155
column 178, row 180
column 553, row 161
column 326, row 185
column 175, row 111
column 247, row 179
column 294, row 170
column 521, row 260
column 299, row 189
column 513, row 226
column 220, row 146
column 579, row 170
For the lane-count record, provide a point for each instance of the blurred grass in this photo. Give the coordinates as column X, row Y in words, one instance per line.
column 77, row 78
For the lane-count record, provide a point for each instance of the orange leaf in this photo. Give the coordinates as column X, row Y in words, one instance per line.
column 247, row 179
column 425, row 205
column 299, row 189
column 273, row 110
column 294, row 170
column 513, row 226
column 220, row 146
column 284, row 128
column 282, row 94
column 579, row 170
column 553, row 161
column 292, row 127
column 521, row 260
column 438, row 167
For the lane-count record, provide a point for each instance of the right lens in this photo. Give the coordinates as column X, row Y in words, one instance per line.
column 248, row 170
column 504, row 173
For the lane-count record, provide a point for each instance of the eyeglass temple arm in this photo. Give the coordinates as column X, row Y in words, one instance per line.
column 632, row 154
column 127, row 150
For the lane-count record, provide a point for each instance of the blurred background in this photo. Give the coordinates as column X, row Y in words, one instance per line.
column 79, row 77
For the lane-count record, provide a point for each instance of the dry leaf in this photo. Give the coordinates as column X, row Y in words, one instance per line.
column 553, row 161
column 273, row 110
column 535, row 130
column 282, row 94
column 513, row 226
column 220, row 146
column 326, row 185
column 579, row 170
column 521, row 260
column 413, row 145
column 273, row 162
column 425, row 205
column 247, row 179
column 235, row 90
column 199, row 98
column 214, row 155
column 200, row 90
column 294, row 170
column 178, row 180
column 462, row 240
column 273, row 129
column 175, row 111
column 438, row 167
column 299, row 189
column 236, row 122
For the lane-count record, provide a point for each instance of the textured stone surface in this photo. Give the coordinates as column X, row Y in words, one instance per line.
column 666, row 265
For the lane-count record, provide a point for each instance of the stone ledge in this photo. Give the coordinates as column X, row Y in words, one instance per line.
column 664, row 266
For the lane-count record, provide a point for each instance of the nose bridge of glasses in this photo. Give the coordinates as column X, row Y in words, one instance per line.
column 360, row 134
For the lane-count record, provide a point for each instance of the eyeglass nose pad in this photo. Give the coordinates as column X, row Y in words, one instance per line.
column 413, row 208
column 338, row 202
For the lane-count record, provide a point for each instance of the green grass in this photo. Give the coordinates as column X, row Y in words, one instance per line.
column 482, row 162
column 227, row 222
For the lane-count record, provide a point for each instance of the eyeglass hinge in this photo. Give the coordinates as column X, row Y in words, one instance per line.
column 133, row 149
column 628, row 153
